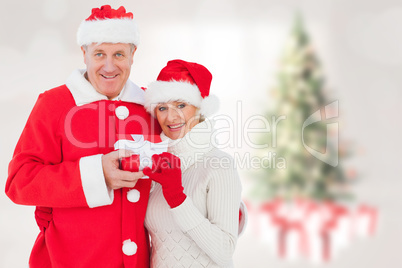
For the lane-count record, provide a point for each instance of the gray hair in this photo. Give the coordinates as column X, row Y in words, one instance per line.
column 132, row 47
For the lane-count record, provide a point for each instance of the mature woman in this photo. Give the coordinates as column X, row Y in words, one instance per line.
column 193, row 210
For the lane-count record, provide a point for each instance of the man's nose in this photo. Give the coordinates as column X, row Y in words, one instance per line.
column 109, row 65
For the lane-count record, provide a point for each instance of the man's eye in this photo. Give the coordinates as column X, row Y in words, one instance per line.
column 98, row 54
column 119, row 55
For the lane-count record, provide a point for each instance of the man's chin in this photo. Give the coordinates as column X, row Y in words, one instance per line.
column 110, row 94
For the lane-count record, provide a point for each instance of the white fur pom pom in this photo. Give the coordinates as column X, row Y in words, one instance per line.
column 129, row 247
column 209, row 105
column 133, row 195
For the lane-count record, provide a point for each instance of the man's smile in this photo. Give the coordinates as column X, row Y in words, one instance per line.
column 109, row 76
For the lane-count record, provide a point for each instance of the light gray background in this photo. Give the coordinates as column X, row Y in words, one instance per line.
column 359, row 43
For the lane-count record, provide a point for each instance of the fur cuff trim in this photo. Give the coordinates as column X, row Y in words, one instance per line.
column 93, row 182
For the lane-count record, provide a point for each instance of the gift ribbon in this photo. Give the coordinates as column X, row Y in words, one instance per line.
column 372, row 214
column 285, row 227
column 145, row 149
column 330, row 214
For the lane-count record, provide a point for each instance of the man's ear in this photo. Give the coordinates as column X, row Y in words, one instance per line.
column 84, row 53
column 132, row 54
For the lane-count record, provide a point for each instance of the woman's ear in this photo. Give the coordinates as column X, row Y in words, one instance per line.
column 200, row 116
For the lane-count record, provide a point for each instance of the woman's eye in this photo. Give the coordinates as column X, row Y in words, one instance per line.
column 181, row 105
column 161, row 108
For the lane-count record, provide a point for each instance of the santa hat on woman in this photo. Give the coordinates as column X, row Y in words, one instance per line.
column 107, row 25
column 182, row 81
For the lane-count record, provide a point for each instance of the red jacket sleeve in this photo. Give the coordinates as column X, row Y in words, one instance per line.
column 37, row 173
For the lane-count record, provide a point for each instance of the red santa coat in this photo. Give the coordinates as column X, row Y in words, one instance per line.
column 57, row 163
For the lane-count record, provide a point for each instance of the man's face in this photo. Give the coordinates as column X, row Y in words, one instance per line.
column 108, row 66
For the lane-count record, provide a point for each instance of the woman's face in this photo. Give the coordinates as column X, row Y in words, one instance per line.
column 176, row 118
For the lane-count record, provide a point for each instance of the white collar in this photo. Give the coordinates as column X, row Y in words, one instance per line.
column 83, row 92
column 194, row 145
column 117, row 98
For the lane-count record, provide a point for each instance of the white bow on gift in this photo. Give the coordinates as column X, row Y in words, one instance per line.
column 145, row 149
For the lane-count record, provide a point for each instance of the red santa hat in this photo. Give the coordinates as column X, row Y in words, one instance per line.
column 182, row 81
column 107, row 25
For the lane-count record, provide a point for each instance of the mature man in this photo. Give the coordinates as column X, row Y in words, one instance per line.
column 64, row 159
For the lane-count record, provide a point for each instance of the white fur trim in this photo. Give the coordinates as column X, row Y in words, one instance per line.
column 108, row 31
column 209, row 105
column 83, row 92
column 132, row 93
column 161, row 91
column 93, row 182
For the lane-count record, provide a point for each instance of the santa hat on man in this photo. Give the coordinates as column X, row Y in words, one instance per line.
column 107, row 25
column 182, row 81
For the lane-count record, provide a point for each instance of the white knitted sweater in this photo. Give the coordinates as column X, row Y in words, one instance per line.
column 202, row 231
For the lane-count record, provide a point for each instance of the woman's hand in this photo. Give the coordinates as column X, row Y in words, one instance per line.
column 166, row 171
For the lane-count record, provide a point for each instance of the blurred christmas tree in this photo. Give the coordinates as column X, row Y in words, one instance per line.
column 300, row 120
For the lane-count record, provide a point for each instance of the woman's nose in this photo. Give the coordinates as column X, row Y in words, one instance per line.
column 173, row 114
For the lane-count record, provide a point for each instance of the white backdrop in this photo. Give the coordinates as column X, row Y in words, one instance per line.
column 359, row 43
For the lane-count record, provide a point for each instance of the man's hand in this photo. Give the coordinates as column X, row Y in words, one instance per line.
column 115, row 177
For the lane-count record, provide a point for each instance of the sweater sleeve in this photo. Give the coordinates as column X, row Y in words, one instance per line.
column 215, row 234
column 38, row 175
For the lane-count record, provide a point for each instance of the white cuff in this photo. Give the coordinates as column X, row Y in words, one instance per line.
column 93, row 182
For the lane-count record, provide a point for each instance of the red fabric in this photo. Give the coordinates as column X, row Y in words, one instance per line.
column 166, row 171
column 193, row 73
column 45, row 172
column 106, row 12
column 40, row 255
